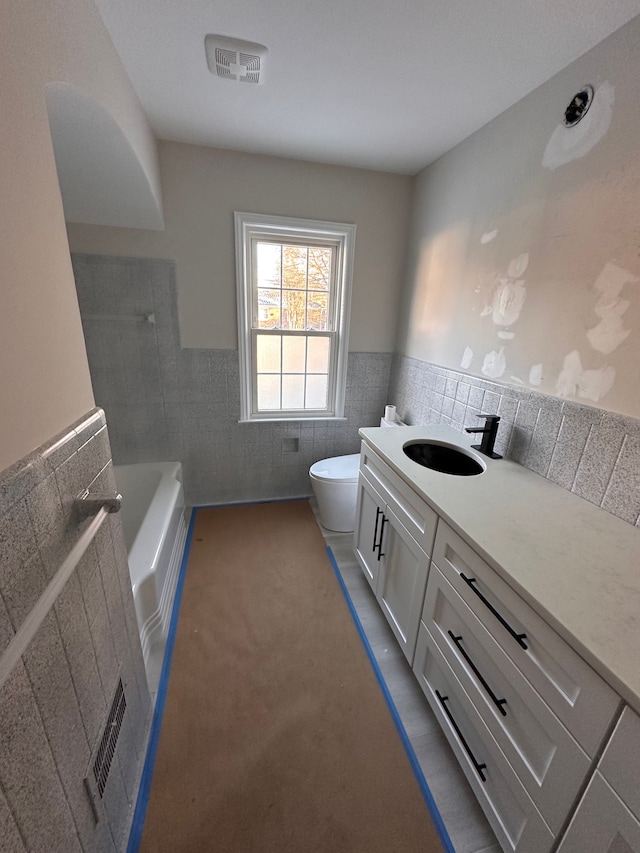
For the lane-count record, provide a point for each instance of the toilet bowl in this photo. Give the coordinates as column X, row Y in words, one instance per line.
column 335, row 485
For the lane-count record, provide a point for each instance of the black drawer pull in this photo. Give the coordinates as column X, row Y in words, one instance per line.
column 384, row 521
column 497, row 702
column 375, row 532
column 519, row 638
column 467, row 748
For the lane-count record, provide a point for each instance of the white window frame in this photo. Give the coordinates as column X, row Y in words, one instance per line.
column 252, row 226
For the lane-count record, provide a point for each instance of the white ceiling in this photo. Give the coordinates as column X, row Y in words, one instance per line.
column 380, row 84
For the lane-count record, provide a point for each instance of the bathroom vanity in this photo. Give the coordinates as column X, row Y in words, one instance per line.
column 518, row 606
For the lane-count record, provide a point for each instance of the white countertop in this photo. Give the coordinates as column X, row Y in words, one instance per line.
column 575, row 564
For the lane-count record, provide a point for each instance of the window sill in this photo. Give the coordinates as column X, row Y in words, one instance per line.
column 290, row 420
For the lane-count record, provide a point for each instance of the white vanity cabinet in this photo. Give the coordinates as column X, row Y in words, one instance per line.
column 511, row 812
column 608, row 817
column 393, row 541
column 574, row 692
column 524, row 713
column 544, row 756
column 537, row 712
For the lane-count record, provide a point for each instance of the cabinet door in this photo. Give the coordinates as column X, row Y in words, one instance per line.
column 402, row 581
column 419, row 519
column 619, row 764
column 369, row 520
column 602, row 823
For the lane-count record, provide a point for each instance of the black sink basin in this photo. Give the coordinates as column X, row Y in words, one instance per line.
column 443, row 457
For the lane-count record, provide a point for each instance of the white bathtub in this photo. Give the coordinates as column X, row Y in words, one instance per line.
column 155, row 529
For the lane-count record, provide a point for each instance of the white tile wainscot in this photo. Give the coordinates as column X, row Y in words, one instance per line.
column 527, row 638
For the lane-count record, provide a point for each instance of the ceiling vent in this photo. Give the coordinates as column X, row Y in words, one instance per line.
column 233, row 59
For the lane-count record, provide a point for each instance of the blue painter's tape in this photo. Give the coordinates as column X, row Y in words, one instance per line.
column 404, row 737
column 137, row 824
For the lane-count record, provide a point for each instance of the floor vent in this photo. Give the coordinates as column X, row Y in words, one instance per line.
column 109, row 740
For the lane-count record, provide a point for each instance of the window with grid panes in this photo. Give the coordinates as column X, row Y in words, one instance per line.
column 294, row 283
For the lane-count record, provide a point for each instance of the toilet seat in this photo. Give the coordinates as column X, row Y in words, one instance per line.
column 337, row 469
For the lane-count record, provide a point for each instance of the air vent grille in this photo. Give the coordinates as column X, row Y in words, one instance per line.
column 252, row 64
column 232, row 59
column 224, row 60
column 109, row 740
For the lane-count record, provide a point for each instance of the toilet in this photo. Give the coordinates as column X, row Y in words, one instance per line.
column 335, row 485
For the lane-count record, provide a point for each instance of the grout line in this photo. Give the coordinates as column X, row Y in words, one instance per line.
column 613, row 469
column 591, row 432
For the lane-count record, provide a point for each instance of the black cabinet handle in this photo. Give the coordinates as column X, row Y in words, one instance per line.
column 497, row 702
column 465, row 745
column 519, row 638
column 375, row 532
column 385, row 520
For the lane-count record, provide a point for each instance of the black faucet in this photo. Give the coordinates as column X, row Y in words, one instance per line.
column 488, row 432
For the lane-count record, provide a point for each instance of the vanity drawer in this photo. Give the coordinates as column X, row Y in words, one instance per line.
column 573, row 690
column 546, row 758
column 512, row 814
column 419, row 519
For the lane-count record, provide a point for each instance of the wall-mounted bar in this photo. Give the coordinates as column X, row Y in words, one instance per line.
column 89, row 503
column 27, row 631
column 146, row 318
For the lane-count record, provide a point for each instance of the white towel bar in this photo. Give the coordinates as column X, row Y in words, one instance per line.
column 27, row 631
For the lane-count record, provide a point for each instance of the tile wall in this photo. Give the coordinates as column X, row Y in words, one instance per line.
column 163, row 402
column 591, row 452
column 54, row 704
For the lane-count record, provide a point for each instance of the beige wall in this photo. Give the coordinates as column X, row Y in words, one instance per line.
column 44, row 377
column 552, row 299
column 201, row 189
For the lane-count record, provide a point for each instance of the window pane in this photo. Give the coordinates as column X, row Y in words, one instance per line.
column 268, row 264
column 316, row 397
column 268, row 353
column 294, row 267
column 294, row 304
column 317, row 310
column 292, row 392
column 318, row 355
column 293, row 354
column 268, row 308
column 318, row 320
column 269, row 318
column 319, row 268
column 268, row 392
